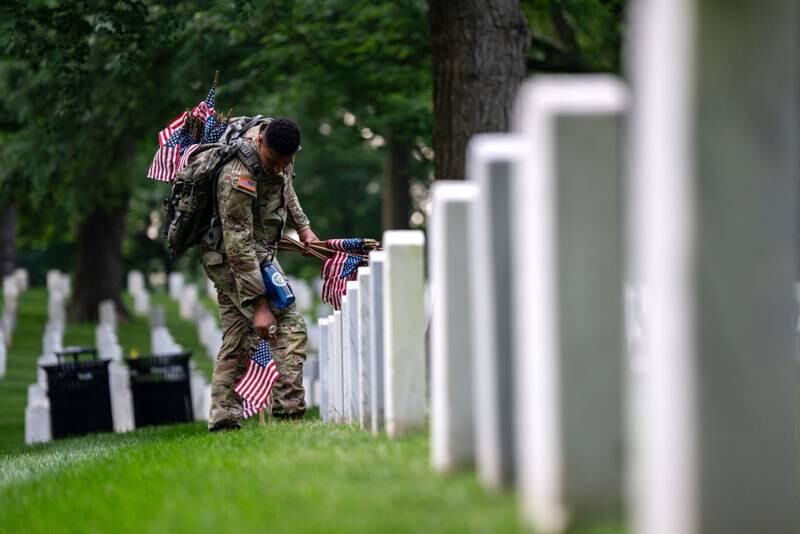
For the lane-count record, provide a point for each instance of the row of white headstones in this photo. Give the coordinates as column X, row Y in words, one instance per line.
column 372, row 352
column 13, row 286
column 693, row 427
column 163, row 343
column 37, row 412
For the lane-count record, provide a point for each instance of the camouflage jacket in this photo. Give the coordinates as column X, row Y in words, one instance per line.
column 253, row 211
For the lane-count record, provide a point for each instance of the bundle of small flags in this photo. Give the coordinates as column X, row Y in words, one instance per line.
column 184, row 134
column 341, row 268
column 255, row 387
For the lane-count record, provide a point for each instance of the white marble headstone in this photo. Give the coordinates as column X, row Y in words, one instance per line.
column 303, row 294
column 492, row 161
column 188, row 302
column 22, row 279
column 350, row 351
column 364, row 333
column 337, row 394
column 211, row 290
column 108, row 313
column 714, row 210
column 452, row 389
column 199, row 385
column 45, row 359
column 313, row 334
column 324, row 369
column 37, row 422
column 377, row 260
column 347, row 362
column 10, row 290
column 175, row 282
column 135, row 282
column 53, row 280
column 568, row 331
column 56, row 311
column 3, row 354
column 121, row 398
column 404, row 331
column 141, row 302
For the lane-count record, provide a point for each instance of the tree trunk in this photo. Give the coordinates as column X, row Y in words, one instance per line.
column 479, row 51
column 98, row 269
column 8, row 239
column 396, row 197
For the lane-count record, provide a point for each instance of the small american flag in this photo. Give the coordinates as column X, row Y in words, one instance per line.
column 255, row 387
column 341, row 268
column 176, row 143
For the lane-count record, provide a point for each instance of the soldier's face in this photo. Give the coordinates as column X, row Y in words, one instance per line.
column 273, row 161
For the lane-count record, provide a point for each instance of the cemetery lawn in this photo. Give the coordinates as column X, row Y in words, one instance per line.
column 284, row 477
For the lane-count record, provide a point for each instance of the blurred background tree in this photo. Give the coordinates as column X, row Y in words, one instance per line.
column 86, row 85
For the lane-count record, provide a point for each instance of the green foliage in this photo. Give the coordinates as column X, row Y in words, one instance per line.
column 574, row 35
column 86, row 85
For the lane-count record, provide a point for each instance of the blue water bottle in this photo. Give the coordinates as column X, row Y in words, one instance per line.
column 278, row 290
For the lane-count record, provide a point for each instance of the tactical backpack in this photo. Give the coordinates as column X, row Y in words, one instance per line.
column 191, row 208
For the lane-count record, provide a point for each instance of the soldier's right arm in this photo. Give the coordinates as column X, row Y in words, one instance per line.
column 236, row 192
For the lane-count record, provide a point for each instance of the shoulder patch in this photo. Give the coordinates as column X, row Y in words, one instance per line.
column 245, row 183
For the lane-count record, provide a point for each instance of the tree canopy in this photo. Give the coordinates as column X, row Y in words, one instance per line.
column 85, row 86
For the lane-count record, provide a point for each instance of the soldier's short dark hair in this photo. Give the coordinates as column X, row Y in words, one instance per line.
column 282, row 135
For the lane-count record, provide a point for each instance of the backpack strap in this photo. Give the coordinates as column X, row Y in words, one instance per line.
column 214, row 227
column 248, row 155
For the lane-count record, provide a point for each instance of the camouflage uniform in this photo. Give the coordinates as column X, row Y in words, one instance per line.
column 253, row 211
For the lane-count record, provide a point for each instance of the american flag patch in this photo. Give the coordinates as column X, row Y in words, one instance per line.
column 243, row 182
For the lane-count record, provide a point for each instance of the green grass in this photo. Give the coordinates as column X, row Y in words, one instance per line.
column 283, row 477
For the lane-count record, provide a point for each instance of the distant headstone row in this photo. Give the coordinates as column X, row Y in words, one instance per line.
column 162, row 343
column 37, row 411
column 190, row 308
column 13, row 286
column 372, row 366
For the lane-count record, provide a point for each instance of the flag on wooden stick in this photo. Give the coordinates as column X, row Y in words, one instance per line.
column 255, row 387
column 341, row 268
column 184, row 134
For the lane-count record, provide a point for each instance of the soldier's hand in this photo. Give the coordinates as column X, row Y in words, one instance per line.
column 264, row 323
column 307, row 236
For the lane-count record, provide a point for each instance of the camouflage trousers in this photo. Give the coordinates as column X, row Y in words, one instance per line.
column 239, row 340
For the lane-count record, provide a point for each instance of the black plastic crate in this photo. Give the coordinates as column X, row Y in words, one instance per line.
column 161, row 389
column 80, row 398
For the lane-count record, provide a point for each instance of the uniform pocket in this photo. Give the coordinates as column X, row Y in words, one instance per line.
column 212, row 257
